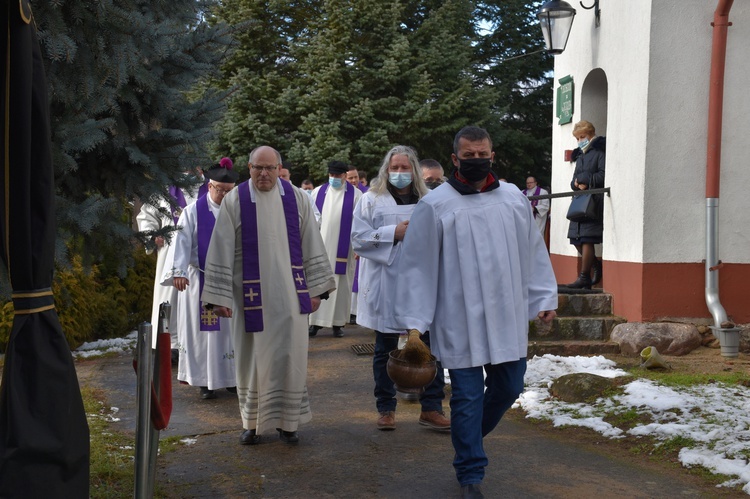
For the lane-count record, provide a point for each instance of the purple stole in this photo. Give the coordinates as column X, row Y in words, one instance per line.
column 355, row 283
column 252, row 301
column 203, row 189
column 534, row 202
column 345, row 229
column 206, row 221
column 179, row 197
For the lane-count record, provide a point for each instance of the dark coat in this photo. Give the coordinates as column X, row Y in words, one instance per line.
column 590, row 171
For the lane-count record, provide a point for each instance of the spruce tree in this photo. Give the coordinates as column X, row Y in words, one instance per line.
column 128, row 115
column 354, row 80
column 262, row 74
column 517, row 74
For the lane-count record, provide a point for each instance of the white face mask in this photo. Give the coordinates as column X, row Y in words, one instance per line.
column 399, row 180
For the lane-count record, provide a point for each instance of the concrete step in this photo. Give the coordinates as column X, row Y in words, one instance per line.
column 584, row 328
column 574, row 305
column 572, row 348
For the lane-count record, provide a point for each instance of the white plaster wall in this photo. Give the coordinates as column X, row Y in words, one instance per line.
column 656, row 55
column 620, row 47
column 675, row 188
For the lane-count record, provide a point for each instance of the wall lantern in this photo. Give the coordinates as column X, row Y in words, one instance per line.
column 597, row 10
column 556, row 19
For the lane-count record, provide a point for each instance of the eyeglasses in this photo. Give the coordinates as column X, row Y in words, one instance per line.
column 267, row 169
column 219, row 190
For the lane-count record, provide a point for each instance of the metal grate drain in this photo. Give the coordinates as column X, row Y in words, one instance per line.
column 364, row 349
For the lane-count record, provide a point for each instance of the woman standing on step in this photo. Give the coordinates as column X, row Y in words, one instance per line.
column 589, row 174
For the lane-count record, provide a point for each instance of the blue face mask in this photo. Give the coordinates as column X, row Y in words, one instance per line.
column 399, row 180
column 335, row 182
column 582, row 144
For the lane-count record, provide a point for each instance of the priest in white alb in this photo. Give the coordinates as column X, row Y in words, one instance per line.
column 204, row 341
column 336, row 200
column 267, row 269
column 474, row 271
column 154, row 216
column 540, row 206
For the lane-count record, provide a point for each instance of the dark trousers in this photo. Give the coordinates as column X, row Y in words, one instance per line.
column 475, row 411
column 385, row 393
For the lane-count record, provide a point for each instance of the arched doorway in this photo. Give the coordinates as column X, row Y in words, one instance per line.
column 594, row 93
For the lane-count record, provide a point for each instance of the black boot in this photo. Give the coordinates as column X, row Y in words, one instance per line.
column 583, row 282
column 596, row 272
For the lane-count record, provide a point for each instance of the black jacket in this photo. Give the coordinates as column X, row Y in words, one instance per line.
column 590, row 171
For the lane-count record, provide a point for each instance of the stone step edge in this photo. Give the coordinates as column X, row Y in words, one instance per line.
column 568, row 348
column 591, row 317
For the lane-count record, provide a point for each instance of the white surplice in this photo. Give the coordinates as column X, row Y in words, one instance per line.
column 336, row 309
column 375, row 220
column 271, row 365
column 206, row 357
column 150, row 218
column 474, row 270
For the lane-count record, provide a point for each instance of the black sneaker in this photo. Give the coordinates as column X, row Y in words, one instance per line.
column 337, row 332
column 313, row 330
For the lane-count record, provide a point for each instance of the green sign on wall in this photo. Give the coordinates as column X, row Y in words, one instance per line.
column 564, row 109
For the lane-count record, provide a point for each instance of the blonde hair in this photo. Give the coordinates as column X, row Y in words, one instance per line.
column 584, row 126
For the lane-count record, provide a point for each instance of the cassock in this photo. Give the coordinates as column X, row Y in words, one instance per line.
column 335, row 227
column 271, row 364
column 474, row 271
column 206, row 350
column 375, row 220
column 541, row 205
column 149, row 218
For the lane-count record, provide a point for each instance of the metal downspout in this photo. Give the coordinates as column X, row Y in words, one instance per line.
column 713, row 160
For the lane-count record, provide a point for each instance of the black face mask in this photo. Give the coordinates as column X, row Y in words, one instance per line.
column 433, row 184
column 474, row 169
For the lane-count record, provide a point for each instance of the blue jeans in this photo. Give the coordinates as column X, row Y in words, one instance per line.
column 385, row 394
column 475, row 412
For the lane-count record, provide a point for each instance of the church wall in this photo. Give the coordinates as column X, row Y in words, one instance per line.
column 675, row 197
column 620, row 48
column 644, row 292
column 656, row 57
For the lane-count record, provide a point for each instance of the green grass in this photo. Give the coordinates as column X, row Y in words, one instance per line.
column 627, row 419
column 112, row 468
column 112, row 463
column 681, row 379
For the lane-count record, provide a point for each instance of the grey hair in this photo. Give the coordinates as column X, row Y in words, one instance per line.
column 252, row 153
column 380, row 183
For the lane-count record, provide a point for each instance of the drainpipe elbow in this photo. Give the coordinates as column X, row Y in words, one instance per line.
column 714, row 306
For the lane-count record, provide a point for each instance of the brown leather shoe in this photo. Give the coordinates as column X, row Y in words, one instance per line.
column 387, row 421
column 435, row 420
